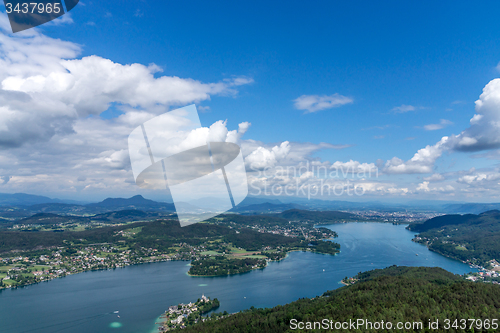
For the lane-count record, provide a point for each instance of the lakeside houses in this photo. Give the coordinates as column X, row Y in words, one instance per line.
column 490, row 274
column 24, row 270
column 20, row 270
column 182, row 315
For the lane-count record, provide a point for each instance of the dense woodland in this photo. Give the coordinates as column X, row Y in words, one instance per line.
column 252, row 241
column 469, row 237
column 396, row 294
column 159, row 235
column 319, row 217
column 218, row 266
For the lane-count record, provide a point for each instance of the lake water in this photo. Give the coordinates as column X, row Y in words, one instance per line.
column 85, row 302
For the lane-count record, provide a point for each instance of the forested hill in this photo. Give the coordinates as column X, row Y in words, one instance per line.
column 160, row 235
column 487, row 218
column 318, row 217
column 472, row 238
column 395, row 294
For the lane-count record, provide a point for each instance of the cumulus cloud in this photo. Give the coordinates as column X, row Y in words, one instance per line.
column 482, row 134
column 442, row 124
column 52, row 139
column 484, row 129
column 45, row 88
column 234, row 136
column 263, row 158
column 354, row 167
column 424, row 187
column 422, row 162
column 314, row 103
column 480, row 178
column 90, row 84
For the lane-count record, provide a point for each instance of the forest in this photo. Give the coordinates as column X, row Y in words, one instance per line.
column 220, row 265
column 473, row 238
column 396, row 294
column 160, row 235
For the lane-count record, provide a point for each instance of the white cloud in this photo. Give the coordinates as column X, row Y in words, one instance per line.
column 403, row 108
column 45, row 89
column 423, row 187
column 442, row 124
column 90, row 84
column 480, row 178
column 483, row 132
column 434, row 177
column 263, row 158
column 422, row 162
column 52, row 139
column 235, row 135
column 355, row 166
column 314, row 103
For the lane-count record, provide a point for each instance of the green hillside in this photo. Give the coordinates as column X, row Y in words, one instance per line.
column 318, row 217
column 473, row 238
column 395, row 294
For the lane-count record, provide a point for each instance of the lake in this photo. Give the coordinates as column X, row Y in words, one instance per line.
column 85, row 302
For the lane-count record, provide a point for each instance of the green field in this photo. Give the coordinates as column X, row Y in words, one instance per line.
column 39, row 267
column 255, row 256
column 236, row 250
column 4, row 269
column 210, row 253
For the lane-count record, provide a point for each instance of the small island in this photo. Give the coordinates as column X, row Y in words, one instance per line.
column 237, row 260
column 220, row 265
column 230, row 244
column 183, row 315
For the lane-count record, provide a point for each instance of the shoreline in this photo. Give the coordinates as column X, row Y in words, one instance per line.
column 155, row 261
column 369, row 221
column 86, row 271
column 451, row 257
column 267, row 262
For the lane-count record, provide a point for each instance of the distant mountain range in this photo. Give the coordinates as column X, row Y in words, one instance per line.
column 136, row 202
column 471, row 208
column 23, row 199
column 250, row 205
column 109, row 217
column 41, row 204
column 488, row 218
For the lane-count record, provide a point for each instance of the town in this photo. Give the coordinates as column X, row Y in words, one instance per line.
column 22, row 268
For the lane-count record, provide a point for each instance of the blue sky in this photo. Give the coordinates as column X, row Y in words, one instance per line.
column 426, row 55
column 404, row 66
